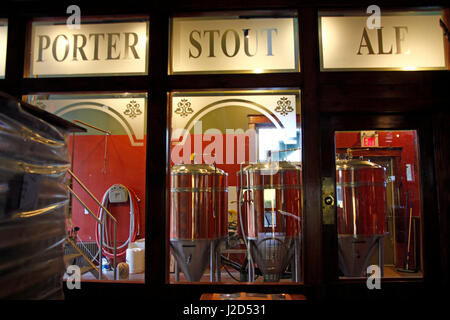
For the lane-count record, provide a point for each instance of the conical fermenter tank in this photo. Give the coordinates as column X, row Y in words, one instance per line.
column 361, row 212
column 198, row 215
column 269, row 218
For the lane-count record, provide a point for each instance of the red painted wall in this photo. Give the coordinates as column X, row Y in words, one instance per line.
column 125, row 164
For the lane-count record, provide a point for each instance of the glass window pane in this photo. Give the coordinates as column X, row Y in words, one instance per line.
column 109, row 160
column 378, row 203
column 235, row 187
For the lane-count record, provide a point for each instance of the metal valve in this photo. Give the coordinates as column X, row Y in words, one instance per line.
column 328, row 209
column 329, row 200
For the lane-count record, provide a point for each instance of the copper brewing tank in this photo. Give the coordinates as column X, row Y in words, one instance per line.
column 361, row 212
column 269, row 196
column 198, row 215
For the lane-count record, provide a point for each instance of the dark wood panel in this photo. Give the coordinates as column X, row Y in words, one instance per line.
column 384, row 92
column 15, row 56
column 85, row 84
column 328, row 169
column 341, row 90
column 157, row 253
column 390, row 105
column 49, row 8
column 312, row 241
column 237, row 81
column 372, row 121
column 442, row 153
column 260, row 4
column 381, row 77
column 432, row 254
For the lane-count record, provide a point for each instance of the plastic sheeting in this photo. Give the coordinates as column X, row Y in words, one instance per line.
column 33, row 204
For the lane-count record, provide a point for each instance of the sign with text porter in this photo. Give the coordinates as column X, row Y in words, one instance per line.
column 94, row 49
column 233, row 45
column 411, row 41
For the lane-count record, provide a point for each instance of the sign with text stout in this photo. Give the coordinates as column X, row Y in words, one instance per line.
column 233, row 45
column 403, row 42
column 94, row 49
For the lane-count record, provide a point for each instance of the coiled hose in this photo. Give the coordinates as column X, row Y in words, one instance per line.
column 108, row 239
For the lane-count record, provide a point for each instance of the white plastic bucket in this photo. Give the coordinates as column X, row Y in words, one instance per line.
column 135, row 258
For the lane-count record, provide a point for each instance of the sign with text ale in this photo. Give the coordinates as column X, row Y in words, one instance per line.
column 403, row 42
